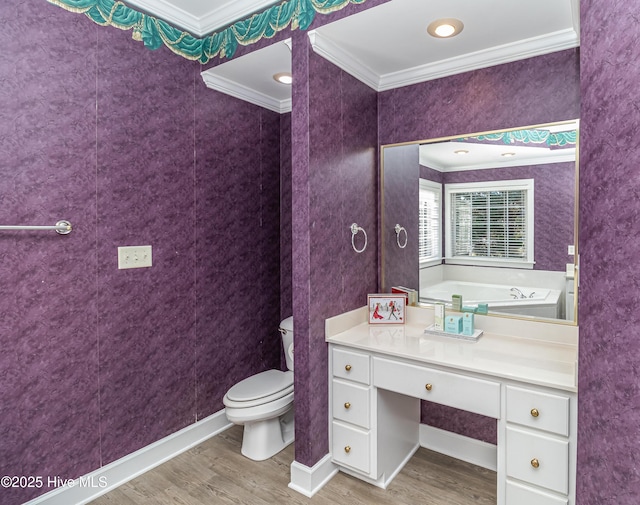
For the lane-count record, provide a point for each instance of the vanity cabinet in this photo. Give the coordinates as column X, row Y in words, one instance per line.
column 540, row 446
column 373, row 432
column 375, row 421
column 378, row 377
column 351, row 399
column 375, row 415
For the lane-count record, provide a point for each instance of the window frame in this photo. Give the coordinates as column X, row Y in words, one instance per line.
column 436, row 188
column 501, row 185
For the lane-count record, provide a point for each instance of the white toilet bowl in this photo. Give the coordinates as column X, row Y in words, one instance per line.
column 263, row 404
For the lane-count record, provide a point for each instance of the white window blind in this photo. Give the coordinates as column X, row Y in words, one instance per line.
column 429, row 230
column 492, row 220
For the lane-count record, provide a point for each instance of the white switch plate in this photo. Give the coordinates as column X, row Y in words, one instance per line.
column 571, row 250
column 134, row 256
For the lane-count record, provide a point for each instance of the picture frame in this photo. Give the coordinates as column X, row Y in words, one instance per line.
column 386, row 308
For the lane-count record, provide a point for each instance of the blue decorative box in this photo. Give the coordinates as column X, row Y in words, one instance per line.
column 453, row 324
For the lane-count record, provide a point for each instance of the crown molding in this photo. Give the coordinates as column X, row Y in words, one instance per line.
column 236, row 90
column 536, row 46
column 332, row 52
column 507, row 53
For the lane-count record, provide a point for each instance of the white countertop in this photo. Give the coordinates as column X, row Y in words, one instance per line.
column 547, row 361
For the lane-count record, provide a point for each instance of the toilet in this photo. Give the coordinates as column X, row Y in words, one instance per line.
column 263, row 403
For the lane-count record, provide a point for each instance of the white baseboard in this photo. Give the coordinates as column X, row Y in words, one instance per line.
column 308, row 481
column 457, row 446
column 101, row 481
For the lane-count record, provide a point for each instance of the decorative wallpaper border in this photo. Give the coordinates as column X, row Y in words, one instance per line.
column 537, row 136
column 154, row 32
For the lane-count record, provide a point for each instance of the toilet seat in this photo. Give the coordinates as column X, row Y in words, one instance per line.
column 262, row 388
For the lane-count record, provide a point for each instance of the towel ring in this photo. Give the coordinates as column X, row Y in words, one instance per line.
column 400, row 229
column 355, row 229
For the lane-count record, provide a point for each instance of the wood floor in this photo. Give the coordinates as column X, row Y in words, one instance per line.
column 216, row 473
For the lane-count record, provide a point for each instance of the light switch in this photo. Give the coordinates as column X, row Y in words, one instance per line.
column 134, row 257
column 571, row 250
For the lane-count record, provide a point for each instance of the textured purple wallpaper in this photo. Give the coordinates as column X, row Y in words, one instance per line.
column 96, row 363
column 334, row 184
column 609, row 377
column 237, row 233
column 286, row 259
column 49, row 407
column 533, row 91
column 130, row 146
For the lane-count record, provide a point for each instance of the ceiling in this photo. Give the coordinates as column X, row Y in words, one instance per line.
column 201, row 17
column 386, row 46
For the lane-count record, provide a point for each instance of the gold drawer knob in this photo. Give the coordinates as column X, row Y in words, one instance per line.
column 347, row 405
column 535, row 412
column 347, row 449
column 347, row 368
column 535, row 463
column 428, row 387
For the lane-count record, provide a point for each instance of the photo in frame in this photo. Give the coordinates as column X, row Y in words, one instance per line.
column 385, row 308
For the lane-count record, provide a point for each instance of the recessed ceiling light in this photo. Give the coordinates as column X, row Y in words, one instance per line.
column 445, row 28
column 507, row 155
column 283, row 77
column 461, row 152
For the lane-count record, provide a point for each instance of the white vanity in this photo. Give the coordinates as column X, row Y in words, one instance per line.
column 521, row 373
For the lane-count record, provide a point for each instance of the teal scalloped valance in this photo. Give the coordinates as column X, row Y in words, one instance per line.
column 532, row 137
column 155, row 32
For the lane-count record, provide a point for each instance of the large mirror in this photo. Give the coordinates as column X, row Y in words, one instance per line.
column 489, row 216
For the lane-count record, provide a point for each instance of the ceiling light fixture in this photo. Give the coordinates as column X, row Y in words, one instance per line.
column 445, row 28
column 461, row 152
column 508, row 155
column 283, row 77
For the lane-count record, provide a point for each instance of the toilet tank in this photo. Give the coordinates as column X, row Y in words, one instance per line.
column 286, row 330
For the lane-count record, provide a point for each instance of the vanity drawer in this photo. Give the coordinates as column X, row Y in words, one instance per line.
column 351, row 365
column 351, row 447
column 538, row 459
column 459, row 391
column 350, row 403
column 522, row 495
column 542, row 411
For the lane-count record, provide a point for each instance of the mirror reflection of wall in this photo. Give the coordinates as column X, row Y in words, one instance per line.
column 495, row 219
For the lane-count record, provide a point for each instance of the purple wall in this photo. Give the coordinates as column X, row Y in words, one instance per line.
column 609, row 382
column 78, row 337
column 533, row 91
column 286, row 259
column 334, row 184
column 130, row 146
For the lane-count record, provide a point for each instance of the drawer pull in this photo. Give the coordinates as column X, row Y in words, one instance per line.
column 347, row 368
column 347, row 449
column 535, row 412
column 535, row 463
column 347, row 405
column 428, row 387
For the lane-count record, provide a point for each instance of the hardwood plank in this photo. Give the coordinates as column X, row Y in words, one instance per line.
column 215, row 472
